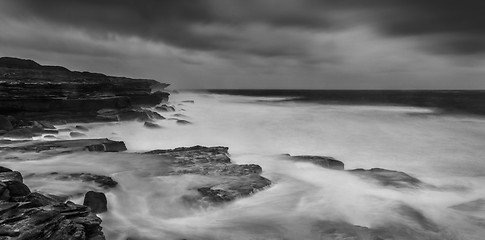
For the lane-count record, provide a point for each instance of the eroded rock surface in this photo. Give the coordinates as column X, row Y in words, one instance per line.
column 228, row 181
column 388, row 177
column 37, row 216
column 323, row 161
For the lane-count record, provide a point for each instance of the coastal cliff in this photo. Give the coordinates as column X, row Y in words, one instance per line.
column 29, row 90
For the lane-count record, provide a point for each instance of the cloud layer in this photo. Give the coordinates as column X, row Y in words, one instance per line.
column 266, row 38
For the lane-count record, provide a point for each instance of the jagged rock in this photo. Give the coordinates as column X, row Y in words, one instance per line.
column 326, row 162
column 165, row 108
column 81, row 128
column 388, row 177
column 4, row 169
column 36, row 92
column 47, row 125
column 102, row 144
column 96, row 201
column 5, row 123
column 102, row 181
column 13, row 181
column 37, row 216
column 183, row 122
column 151, row 125
column 229, row 181
column 20, row 133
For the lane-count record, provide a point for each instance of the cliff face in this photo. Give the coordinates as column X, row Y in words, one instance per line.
column 26, row 86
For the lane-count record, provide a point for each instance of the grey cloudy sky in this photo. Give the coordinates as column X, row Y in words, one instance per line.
column 307, row 44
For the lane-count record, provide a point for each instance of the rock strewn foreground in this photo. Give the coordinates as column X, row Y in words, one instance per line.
column 30, row 215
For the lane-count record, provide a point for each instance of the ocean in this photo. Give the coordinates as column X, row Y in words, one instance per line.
column 435, row 136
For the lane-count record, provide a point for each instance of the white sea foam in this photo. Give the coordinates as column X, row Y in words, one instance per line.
column 446, row 152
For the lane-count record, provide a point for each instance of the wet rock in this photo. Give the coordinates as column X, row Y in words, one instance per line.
column 134, row 115
column 228, row 180
column 102, row 181
column 102, row 144
column 77, row 134
column 165, row 108
column 47, row 125
column 4, row 169
column 96, row 201
column 388, row 177
column 183, row 122
column 50, row 137
column 9, row 176
column 151, row 125
column 112, row 146
column 81, row 128
column 21, row 133
column 326, row 162
column 50, row 131
column 5, row 123
column 13, row 181
column 179, row 115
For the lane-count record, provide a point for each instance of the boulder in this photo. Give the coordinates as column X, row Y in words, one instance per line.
column 96, row 201
column 326, row 162
column 14, row 183
column 5, row 123
column 151, row 125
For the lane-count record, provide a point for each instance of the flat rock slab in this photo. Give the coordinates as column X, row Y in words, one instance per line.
column 322, row 161
column 387, row 177
column 100, row 180
column 100, row 145
column 228, row 180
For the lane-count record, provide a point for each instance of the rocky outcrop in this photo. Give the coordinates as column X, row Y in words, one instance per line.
column 32, row 91
column 388, row 177
column 27, row 215
column 63, row 146
column 228, row 180
column 322, row 161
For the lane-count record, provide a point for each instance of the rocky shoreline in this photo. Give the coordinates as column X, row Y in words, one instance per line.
column 37, row 101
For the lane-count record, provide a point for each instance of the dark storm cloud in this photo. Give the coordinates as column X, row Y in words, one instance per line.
column 441, row 26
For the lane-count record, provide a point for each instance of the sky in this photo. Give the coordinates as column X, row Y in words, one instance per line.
column 291, row 44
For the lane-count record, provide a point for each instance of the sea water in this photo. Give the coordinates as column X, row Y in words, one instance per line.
column 444, row 151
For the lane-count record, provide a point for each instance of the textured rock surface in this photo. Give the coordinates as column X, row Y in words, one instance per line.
column 99, row 145
column 36, row 216
column 228, row 181
column 33, row 91
column 388, row 177
column 326, row 162
column 96, row 201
